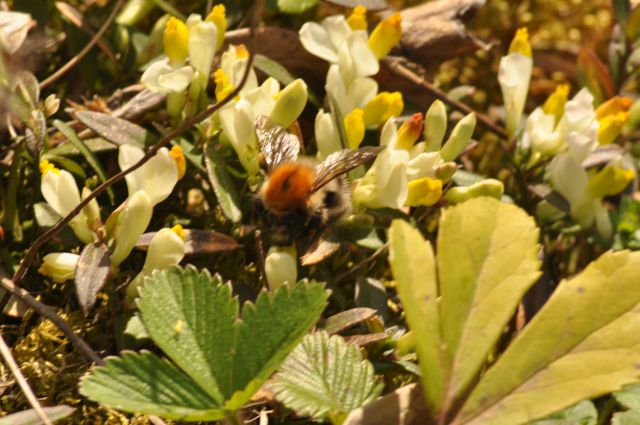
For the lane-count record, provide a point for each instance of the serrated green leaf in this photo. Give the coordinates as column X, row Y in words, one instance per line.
column 583, row 413
column 487, row 259
column 296, row 6
column 144, row 383
column 583, row 343
column 30, row 417
column 194, row 319
column 325, row 376
column 414, row 269
column 114, row 129
column 85, row 151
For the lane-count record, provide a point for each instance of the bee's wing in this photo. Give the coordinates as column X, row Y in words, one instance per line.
column 342, row 162
column 277, row 145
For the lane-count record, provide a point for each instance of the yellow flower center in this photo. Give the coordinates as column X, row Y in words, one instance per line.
column 520, row 43
column 241, row 51
column 358, row 18
column 181, row 163
column 176, row 40
column 46, row 166
column 178, row 230
column 219, row 19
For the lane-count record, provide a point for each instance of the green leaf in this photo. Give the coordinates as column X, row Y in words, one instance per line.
column 583, row 413
column 325, row 376
column 114, row 129
column 222, row 184
column 67, row 164
column 583, row 343
column 347, row 319
column 296, row 6
column 630, row 417
column 30, row 417
column 621, row 10
column 629, row 397
column 95, row 144
column 414, row 270
column 192, row 317
column 86, row 152
column 487, row 260
column 144, row 383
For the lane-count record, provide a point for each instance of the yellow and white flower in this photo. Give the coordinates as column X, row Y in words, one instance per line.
column 514, row 76
column 59, row 266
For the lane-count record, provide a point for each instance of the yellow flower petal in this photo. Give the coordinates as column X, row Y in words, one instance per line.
column 554, row 105
column 424, row 191
column 223, row 84
column 382, row 107
column 610, row 181
column 178, row 230
column 46, row 166
column 386, row 35
column 176, row 40
column 520, row 43
column 358, row 18
column 354, row 127
column 181, row 163
column 409, row 132
column 219, row 19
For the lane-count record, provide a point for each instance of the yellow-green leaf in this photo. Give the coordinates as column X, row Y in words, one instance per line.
column 414, row 269
column 585, row 342
column 487, row 259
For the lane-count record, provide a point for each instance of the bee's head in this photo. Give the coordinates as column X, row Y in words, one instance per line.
column 288, row 187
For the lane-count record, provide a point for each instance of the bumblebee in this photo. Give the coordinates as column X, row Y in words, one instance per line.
column 302, row 198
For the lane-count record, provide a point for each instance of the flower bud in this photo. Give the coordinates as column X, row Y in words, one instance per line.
column 446, row 171
column 489, row 187
column 409, row 132
column 281, row 267
column 435, row 126
column 134, row 11
column 386, row 35
column 51, row 105
column 424, row 191
column 383, row 107
column 176, row 40
column 59, row 266
column 354, row 127
column 289, row 103
column 219, row 19
column 131, row 224
column 554, row 105
column 460, row 138
column 358, row 18
column 327, row 137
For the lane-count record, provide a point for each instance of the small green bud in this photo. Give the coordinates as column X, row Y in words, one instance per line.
column 435, row 125
column 460, row 138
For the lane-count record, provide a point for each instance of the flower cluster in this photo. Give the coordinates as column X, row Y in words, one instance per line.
column 565, row 133
column 149, row 185
column 189, row 50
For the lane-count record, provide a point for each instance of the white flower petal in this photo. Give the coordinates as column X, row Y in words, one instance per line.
column 579, row 115
column 60, row 191
column 424, row 165
column 177, row 80
column 315, row 39
column 385, row 184
column 336, row 88
column 364, row 61
column 202, row 47
column 159, row 176
column 132, row 223
column 514, row 75
column 127, row 156
column 337, row 28
column 152, row 74
column 567, row 176
column 166, row 249
column 361, row 91
column 389, row 134
column 327, row 137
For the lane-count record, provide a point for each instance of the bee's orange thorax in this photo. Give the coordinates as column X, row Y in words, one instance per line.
column 288, row 187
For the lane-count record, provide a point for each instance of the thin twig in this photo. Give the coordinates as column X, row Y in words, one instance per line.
column 48, row 313
column 483, row 119
column 22, row 381
column 77, row 58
